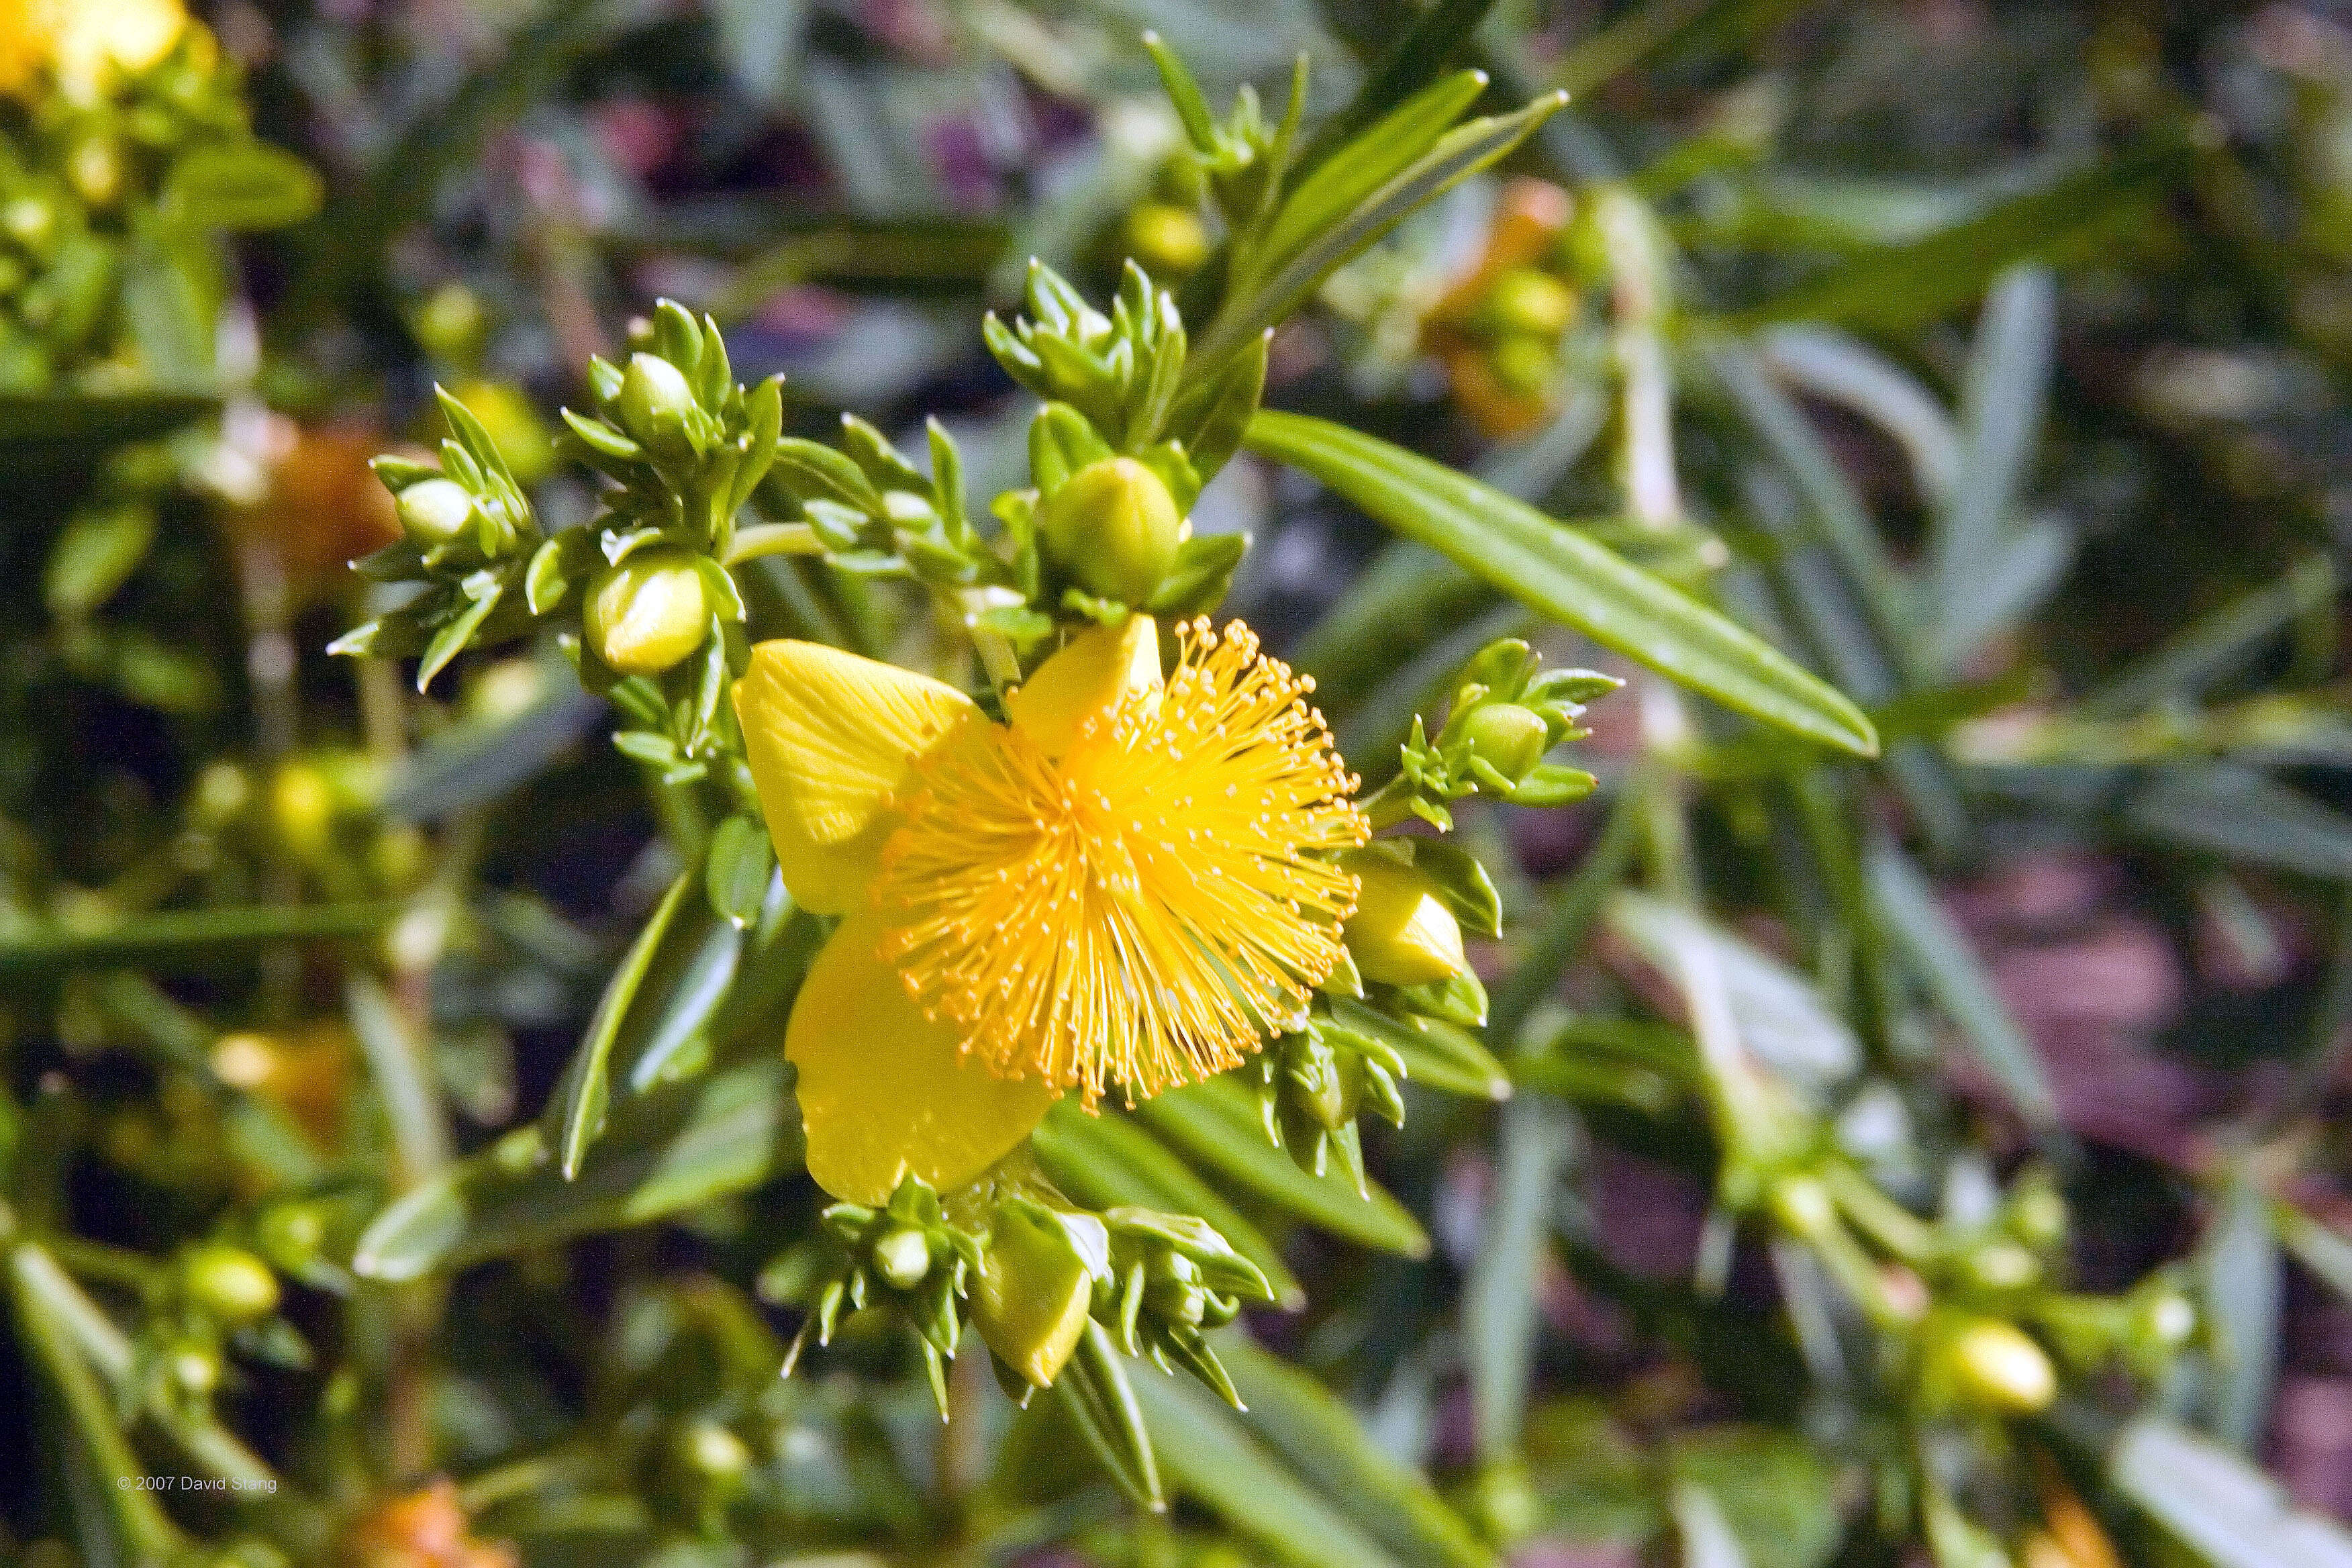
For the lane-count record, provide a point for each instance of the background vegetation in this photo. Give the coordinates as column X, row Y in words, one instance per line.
column 1935, row 1156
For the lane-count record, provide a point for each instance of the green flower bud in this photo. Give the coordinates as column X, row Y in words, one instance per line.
column 231, row 1283
column 1523, row 365
column 1166, row 240
column 2001, row 1266
column 94, row 169
column 1804, row 1206
column 435, row 512
column 2038, row 1215
column 708, row 1449
column 648, row 612
column 1507, row 738
column 1114, row 527
column 1402, row 932
column 223, row 791
column 1031, row 1301
column 902, row 1257
column 194, row 1368
column 1524, row 302
column 1176, row 1301
column 29, row 221
column 656, row 405
column 2162, row 1320
column 290, row 1235
column 1995, row 1365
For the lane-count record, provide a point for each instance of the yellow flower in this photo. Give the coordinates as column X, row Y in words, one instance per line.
column 1130, row 883
column 24, row 42
column 86, row 42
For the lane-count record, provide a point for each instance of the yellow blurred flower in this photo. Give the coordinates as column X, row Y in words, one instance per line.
column 1130, row 883
column 87, row 43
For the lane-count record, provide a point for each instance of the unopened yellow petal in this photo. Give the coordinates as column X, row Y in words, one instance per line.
column 831, row 736
column 885, row 1093
column 1087, row 679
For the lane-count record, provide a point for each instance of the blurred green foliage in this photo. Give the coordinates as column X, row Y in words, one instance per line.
column 1890, row 1110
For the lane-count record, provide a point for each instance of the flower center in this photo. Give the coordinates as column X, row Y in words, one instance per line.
column 1147, row 908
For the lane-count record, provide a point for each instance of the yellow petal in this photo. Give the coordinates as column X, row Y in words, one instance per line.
column 1087, row 679
column 830, row 735
column 885, row 1093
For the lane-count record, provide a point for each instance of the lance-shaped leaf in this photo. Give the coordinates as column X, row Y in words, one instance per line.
column 1312, row 1428
column 1566, row 576
column 1457, row 155
column 586, row 1087
column 1209, row 1457
column 671, row 1148
column 1094, row 1390
column 2221, row 1506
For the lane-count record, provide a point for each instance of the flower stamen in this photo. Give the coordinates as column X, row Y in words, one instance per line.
column 1145, row 909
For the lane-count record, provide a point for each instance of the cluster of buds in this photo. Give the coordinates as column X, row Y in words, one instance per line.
column 212, row 1294
column 1499, row 327
column 1504, row 717
column 136, row 129
column 1175, row 1277
column 1957, row 1301
column 1119, row 452
column 906, row 1256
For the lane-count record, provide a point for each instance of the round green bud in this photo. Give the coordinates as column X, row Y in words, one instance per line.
column 2164, row 1319
column 655, row 405
column 1176, row 1301
column 1166, row 240
column 94, row 169
column 1030, row 1302
column 435, row 512
column 2002, row 1265
column 1995, row 1365
column 902, row 1257
column 29, row 221
column 223, row 791
column 1402, row 932
column 2038, row 1217
column 451, row 322
column 648, row 612
column 1524, row 302
column 1523, row 365
column 290, row 1235
column 708, row 1449
column 1114, row 527
column 194, row 1368
column 1804, row 1206
column 1508, row 738
column 231, row 1283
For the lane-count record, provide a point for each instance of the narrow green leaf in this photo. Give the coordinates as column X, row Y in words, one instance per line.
column 1211, row 1458
column 1458, row 155
column 1332, row 193
column 2242, row 1292
column 1566, row 575
column 1938, row 951
column 2236, row 812
column 2062, row 221
column 1325, row 1441
column 401, row 1066
column 586, row 1086
column 1501, row 1300
column 34, row 421
column 181, row 938
column 2219, row 645
column 246, row 186
column 1094, row 1390
column 1437, row 1054
column 1216, row 1123
column 669, row 1148
column 2221, row 1506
